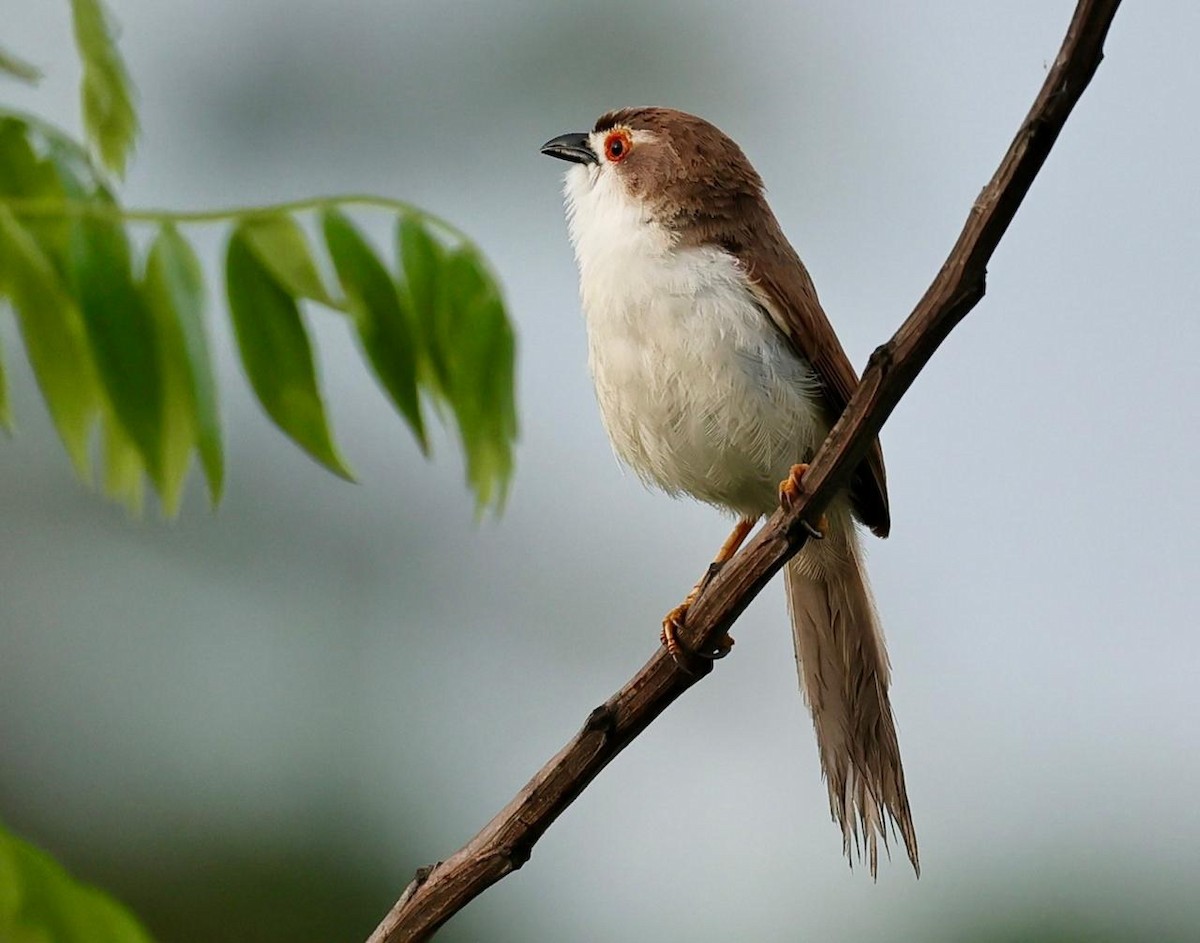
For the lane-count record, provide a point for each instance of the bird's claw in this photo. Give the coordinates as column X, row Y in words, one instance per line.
column 672, row 623
column 790, row 490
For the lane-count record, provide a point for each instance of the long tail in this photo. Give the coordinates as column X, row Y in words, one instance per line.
column 844, row 673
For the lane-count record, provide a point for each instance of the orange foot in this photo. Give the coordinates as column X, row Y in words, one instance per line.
column 790, row 490
column 673, row 622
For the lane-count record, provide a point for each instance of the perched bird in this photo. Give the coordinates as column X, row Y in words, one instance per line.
column 718, row 375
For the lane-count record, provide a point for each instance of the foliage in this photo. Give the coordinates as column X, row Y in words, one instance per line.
column 116, row 331
column 40, row 902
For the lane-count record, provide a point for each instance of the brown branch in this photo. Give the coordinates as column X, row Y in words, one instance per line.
column 505, row 843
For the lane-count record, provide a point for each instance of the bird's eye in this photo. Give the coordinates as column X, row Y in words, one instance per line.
column 617, row 146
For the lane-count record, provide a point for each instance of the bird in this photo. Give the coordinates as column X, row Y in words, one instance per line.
column 718, row 375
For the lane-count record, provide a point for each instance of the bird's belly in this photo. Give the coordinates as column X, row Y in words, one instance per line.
column 701, row 395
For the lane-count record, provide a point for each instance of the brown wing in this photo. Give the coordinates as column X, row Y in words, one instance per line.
column 786, row 292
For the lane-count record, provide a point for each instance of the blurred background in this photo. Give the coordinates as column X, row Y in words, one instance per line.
column 255, row 723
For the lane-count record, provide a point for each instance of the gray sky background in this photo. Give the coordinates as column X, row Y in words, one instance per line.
column 362, row 671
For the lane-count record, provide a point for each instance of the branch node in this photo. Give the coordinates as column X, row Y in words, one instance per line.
column 422, row 874
column 516, row 855
column 881, row 358
column 602, row 720
column 417, row 882
column 975, row 289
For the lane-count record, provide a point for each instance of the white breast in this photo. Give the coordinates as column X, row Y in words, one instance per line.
column 699, row 393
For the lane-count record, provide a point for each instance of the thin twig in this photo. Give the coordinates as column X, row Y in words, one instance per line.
column 505, row 843
column 47, row 208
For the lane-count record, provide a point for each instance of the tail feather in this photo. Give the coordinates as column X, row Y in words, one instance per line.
column 844, row 673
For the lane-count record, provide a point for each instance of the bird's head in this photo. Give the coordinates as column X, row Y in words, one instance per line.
column 657, row 167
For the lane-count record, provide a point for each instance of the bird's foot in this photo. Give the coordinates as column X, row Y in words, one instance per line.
column 790, row 490
column 673, row 622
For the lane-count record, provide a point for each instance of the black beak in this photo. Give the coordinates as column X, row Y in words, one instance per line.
column 572, row 147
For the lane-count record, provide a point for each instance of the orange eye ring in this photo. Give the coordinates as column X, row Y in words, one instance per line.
column 617, row 146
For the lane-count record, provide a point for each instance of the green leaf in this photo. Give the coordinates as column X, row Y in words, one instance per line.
column 421, row 260
column 276, row 352
column 174, row 289
column 18, row 163
column 481, row 368
column 499, row 368
column 41, row 903
column 469, row 348
column 17, row 68
column 282, row 248
column 23, row 175
column 179, row 424
column 384, row 327
column 54, row 335
column 108, row 113
column 121, row 332
column 459, row 338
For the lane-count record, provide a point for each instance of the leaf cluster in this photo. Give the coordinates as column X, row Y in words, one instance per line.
column 116, row 332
